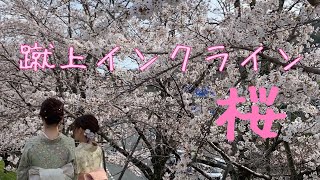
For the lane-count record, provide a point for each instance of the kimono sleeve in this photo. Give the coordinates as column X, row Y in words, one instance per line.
column 24, row 164
column 103, row 160
column 71, row 146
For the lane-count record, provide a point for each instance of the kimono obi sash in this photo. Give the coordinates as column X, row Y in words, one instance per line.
column 66, row 172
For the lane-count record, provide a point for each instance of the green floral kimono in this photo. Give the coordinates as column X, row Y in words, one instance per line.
column 45, row 153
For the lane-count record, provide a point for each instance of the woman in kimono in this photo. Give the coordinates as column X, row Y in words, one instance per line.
column 88, row 155
column 49, row 155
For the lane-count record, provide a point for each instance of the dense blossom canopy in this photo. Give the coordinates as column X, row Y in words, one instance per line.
column 152, row 108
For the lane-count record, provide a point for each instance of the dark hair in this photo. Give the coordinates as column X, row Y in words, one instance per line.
column 52, row 111
column 87, row 121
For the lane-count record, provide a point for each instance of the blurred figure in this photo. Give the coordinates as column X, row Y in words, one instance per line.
column 88, row 155
column 48, row 156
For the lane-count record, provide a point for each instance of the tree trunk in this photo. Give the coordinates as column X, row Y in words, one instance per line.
column 293, row 172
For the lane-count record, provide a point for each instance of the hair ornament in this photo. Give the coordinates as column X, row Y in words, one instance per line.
column 90, row 135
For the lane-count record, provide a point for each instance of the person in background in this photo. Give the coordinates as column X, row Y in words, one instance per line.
column 50, row 155
column 88, row 155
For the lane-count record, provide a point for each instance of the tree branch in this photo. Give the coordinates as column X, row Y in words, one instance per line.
column 224, row 155
column 292, row 169
column 144, row 168
column 201, row 172
column 129, row 158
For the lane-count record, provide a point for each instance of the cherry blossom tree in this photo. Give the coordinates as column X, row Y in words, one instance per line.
column 153, row 108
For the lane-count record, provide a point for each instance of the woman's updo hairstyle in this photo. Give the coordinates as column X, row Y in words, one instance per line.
column 52, row 111
column 87, row 121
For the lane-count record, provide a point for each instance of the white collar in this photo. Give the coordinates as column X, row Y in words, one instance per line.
column 48, row 137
